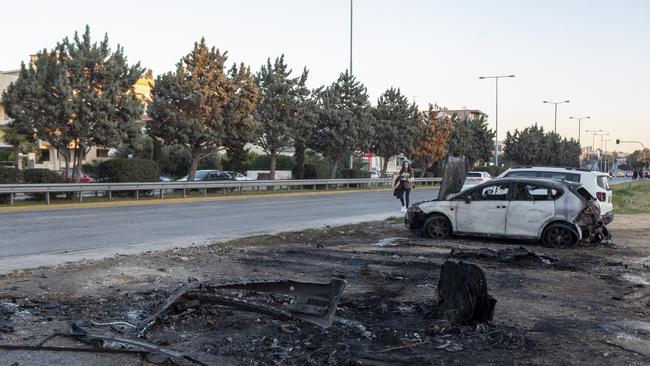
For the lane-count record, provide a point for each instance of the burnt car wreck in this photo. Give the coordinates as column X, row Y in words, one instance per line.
column 308, row 301
column 557, row 213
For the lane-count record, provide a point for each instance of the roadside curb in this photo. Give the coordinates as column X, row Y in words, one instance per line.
column 167, row 201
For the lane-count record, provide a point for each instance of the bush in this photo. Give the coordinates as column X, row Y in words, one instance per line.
column 175, row 161
column 352, row 174
column 36, row 176
column 128, row 170
column 40, row 176
column 9, row 176
column 310, row 172
column 263, row 162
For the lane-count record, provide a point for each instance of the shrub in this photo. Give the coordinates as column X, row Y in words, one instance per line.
column 174, row 161
column 9, row 176
column 36, row 176
column 352, row 174
column 310, row 172
column 263, row 162
column 41, row 176
column 128, row 170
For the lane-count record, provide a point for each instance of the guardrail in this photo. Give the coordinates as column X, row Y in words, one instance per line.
column 161, row 188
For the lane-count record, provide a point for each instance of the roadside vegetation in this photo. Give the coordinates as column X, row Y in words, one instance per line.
column 632, row 198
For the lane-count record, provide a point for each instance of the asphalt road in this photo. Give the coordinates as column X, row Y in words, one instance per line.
column 30, row 239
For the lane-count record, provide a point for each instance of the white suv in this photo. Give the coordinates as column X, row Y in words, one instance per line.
column 596, row 183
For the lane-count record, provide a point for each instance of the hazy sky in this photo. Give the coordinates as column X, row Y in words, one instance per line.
column 595, row 53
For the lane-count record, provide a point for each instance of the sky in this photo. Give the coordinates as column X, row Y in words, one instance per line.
column 594, row 53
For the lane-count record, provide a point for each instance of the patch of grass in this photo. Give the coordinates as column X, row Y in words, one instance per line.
column 632, row 198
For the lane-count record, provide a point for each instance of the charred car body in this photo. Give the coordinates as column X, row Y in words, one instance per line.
column 558, row 213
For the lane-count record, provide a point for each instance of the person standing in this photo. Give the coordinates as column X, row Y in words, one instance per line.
column 404, row 183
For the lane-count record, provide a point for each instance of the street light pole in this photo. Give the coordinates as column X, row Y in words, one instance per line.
column 602, row 136
column 496, row 113
column 555, row 103
column 579, row 125
column 350, row 37
column 593, row 139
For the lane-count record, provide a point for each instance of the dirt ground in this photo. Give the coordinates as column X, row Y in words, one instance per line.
column 587, row 305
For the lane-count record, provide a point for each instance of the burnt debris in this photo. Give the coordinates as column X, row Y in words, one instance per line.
column 462, row 294
column 308, row 301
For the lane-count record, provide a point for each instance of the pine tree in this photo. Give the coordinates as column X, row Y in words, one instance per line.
column 240, row 126
column 76, row 96
column 190, row 105
column 344, row 121
column 396, row 126
column 278, row 110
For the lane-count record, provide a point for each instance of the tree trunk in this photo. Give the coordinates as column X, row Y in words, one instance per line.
column 384, row 166
column 300, row 160
column 157, row 149
column 196, row 156
column 335, row 166
column 274, row 161
column 17, row 156
column 425, row 166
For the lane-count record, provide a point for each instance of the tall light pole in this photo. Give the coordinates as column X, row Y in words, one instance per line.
column 352, row 154
column 607, row 158
column 556, row 103
column 593, row 139
column 602, row 135
column 496, row 114
column 350, row 37
column 579, row 127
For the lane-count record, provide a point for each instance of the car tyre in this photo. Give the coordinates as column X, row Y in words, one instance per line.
column 437, row 227
column 560, row 236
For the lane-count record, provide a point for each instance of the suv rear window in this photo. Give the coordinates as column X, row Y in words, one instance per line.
column 473, row 175
column 603, row 182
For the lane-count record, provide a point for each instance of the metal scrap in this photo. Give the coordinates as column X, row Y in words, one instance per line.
column 453, row 177
column 99, row 343
column 312, row 302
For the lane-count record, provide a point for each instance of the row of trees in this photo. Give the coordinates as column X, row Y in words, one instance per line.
column 534, row 146
column 80, row 94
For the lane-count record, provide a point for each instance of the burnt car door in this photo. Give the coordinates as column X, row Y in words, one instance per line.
column 531, row 207
column 483, row 210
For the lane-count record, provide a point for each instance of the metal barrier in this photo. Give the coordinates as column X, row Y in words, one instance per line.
column 204, row 186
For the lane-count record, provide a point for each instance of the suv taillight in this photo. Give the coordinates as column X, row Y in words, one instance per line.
column 601, row 196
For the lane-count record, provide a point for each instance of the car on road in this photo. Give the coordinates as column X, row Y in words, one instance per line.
column 558, row 213
column 474, row 178
column 83, row 178
column 595, row 182
column 199, row 175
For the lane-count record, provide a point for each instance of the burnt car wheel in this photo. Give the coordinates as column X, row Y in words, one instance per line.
column 437, row 227
column 560, row 236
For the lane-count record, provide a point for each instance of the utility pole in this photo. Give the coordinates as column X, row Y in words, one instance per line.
column 602, row 137
column 350, row 37
column 351, row 155
column 579, row 125
column 556, row 103
column 496, row 114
